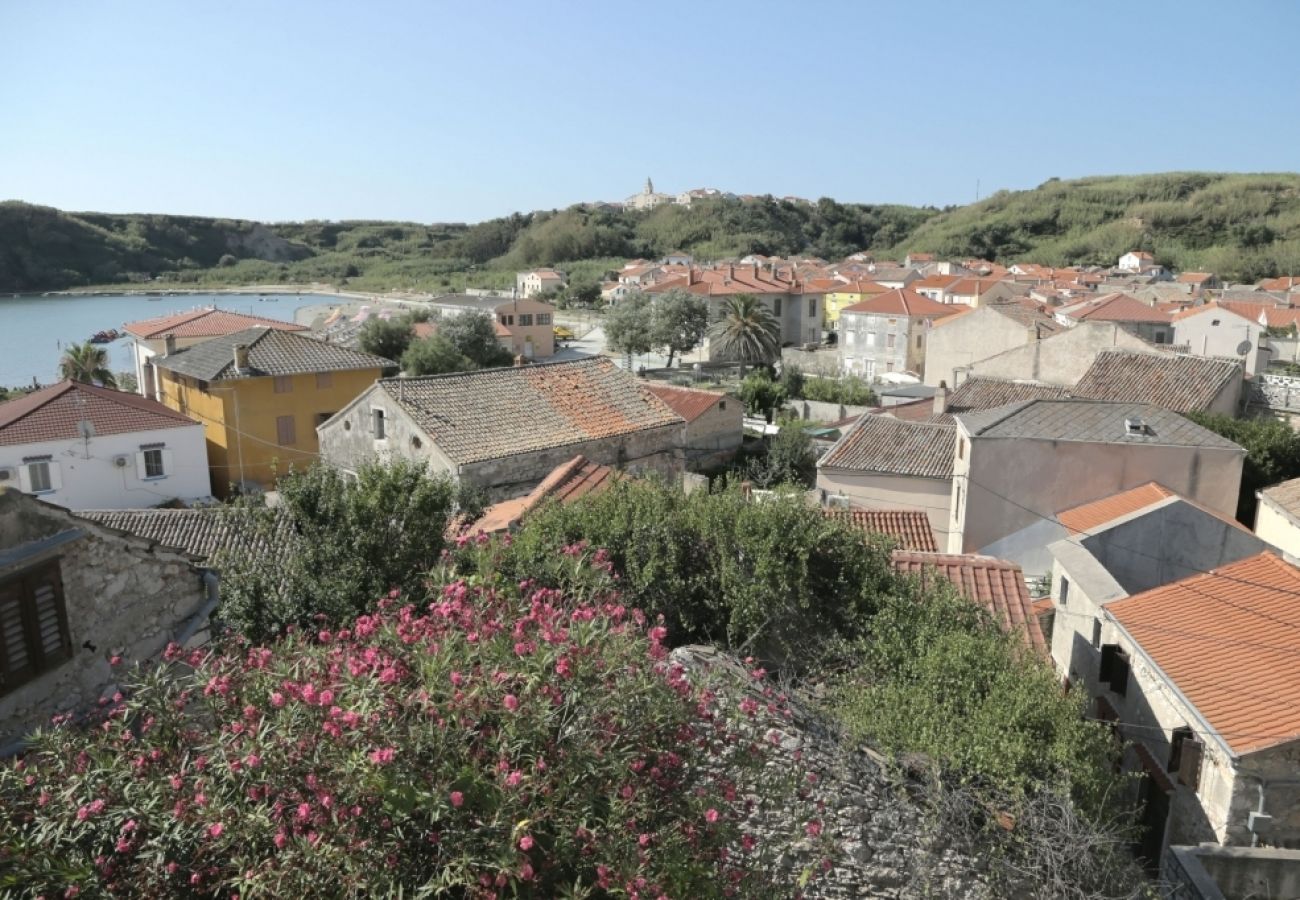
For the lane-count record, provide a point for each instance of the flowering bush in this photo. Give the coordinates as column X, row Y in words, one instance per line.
column 501, row 740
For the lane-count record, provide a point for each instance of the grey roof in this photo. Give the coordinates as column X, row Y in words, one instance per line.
column 270, row 352
column 495, row 413
column 987, row 393
column 1285, row 495
column 1094, row 421
column 1179, row 383
column 906, row 390
column 200, row 532
column 470, row 301
column 892, row 446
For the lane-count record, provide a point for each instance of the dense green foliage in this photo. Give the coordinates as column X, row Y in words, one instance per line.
column 434, row 356
column 629, row 326
column 761, row 395
column 388, row 338
column 789, row 459
column 87, row 363
column 745, row 332
column 849, row 390
column 473, row 335
column 1272, row 454
column 499, row 741
column 1241, row 226
column 333, row 545
column 680, row 322
column 939, row 677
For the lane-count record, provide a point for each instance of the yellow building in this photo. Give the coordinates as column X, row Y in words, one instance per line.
column 848, row 294
column 260, row 393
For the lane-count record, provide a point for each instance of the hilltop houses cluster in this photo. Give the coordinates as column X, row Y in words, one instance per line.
column 1032, row 446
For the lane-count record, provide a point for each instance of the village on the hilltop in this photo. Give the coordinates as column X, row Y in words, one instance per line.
column 1041, row 437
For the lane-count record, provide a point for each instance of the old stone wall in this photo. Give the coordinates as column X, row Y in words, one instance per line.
column 124, row 596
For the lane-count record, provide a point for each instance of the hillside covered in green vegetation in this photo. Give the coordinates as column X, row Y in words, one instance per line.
column 1243, row 227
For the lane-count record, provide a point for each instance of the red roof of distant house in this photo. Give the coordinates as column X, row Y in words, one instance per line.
column 688, row 403
column 997, row 585
column 1284, row 283
column 54, row 414
column 1115, row 307
column 860, row 286
column 204, row 323
column 940, row 282
column 900, row 302
column 423, row 330
column 1089, row 515
column 1227, row 640
column 909, row 527
column 1194, row 277
column 567, row 482
column 733, row 279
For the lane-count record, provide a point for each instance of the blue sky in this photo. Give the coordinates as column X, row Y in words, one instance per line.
column 454, row 111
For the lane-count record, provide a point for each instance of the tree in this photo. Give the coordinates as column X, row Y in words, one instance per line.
column 790, row 459
column 584, row 293
column 679, row 322
column 434, row 356
column 629, row 326
column 473, row 335
column 746, row 332
column 333, row 545
column 88, row 364
column 1272, row 454
column 761, row 395
column 388, row 338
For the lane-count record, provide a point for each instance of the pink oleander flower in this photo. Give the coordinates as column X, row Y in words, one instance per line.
column 215, row 829
column 511, row 702
column 277, row 699
column 711, row 815
column 526, row 842
column 813, row 828
column 280, row 840
column 457, row 799
column 382, row 756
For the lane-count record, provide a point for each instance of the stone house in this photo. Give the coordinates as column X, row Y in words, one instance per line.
column 567, row 483
column 887, row 463
column 1277, row 518
column 503, row 430
column 165, row 334
column 714, row 424
column 82, row 447
column 1061, row 358
column 1193, row 674
column 73, row 594
column 887, row 333
column 1017, row 466
column 1138, row 318
column 960, row 339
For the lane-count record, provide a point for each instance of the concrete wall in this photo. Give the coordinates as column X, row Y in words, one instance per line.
column 88, row 478
column 1232, row 873
column 122, row 594
column 818, row 411
column 968, row 339
column 872, row 491
column 1061, row 359
column 1219, row 332
column 1009, row 484
column 1277, row 527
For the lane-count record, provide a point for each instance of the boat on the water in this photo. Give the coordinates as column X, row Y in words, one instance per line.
column 105, row 337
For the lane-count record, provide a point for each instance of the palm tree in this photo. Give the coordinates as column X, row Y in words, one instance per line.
column 86, row 363
column 746, row 332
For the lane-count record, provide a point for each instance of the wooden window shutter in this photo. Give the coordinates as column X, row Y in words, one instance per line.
column 1119, row 673
column 1189, row 762
column 1107, row 662
column 51, row 616
column 16, row 663
column 285, row 434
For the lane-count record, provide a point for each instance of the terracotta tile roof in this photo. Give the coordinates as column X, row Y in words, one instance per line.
column 567, row 482
column 496, row 413
column 1194, row 277
column 688, row 403
column 987, row 393
column 1285, row 495
column 910, row 528
column 1284, row 283
column 53, row 414
column 270, row 352
column 1178, row 383
column 859, row 287
column 1228, row 640
column 914, row 411
column 1115, row 307
column 1029, row 314
column 935, row 281
column 1090, row 515
column 899, row 302
column 971, row 287
column 1281, row 317
column 200, row 532
column 1186, row 312
column 728, row 280
column 891, row 446
column 997, row 585
column 952, row 317
column 204, row 323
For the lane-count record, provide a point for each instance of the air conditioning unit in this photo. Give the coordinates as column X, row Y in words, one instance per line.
column 6, row 474
column 121, row 462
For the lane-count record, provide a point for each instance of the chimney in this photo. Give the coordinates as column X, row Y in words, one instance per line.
column 241, row 357
column 731, row 272
column 941, row 399
column 754, row 270
column 169, row 344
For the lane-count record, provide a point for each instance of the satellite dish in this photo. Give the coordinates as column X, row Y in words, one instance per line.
column 1243, row 348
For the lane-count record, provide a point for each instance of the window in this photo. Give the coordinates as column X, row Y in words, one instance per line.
column 377, row 424
column 776, row 306
column 283, row 384
column 324, row 380
column 722, row 404
column 285, row 433
column 33, row 625
column 1214, row 321
column 1160, row 338
column 871, row 339
column 889, row 341
column 1096, row 632
column 1185, row 752
column 525, row 319
column 38, row 477
column 1114, row 668
column 153, row 463
column 507, row 320
column 918, row 342
column 1065, row 590
column 812, row 307
column 322, row 418
column 543, row 318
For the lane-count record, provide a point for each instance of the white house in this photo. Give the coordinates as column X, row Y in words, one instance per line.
column 538, row 281
column 1216, row 331
column 86, row 447
column 1136, row 261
